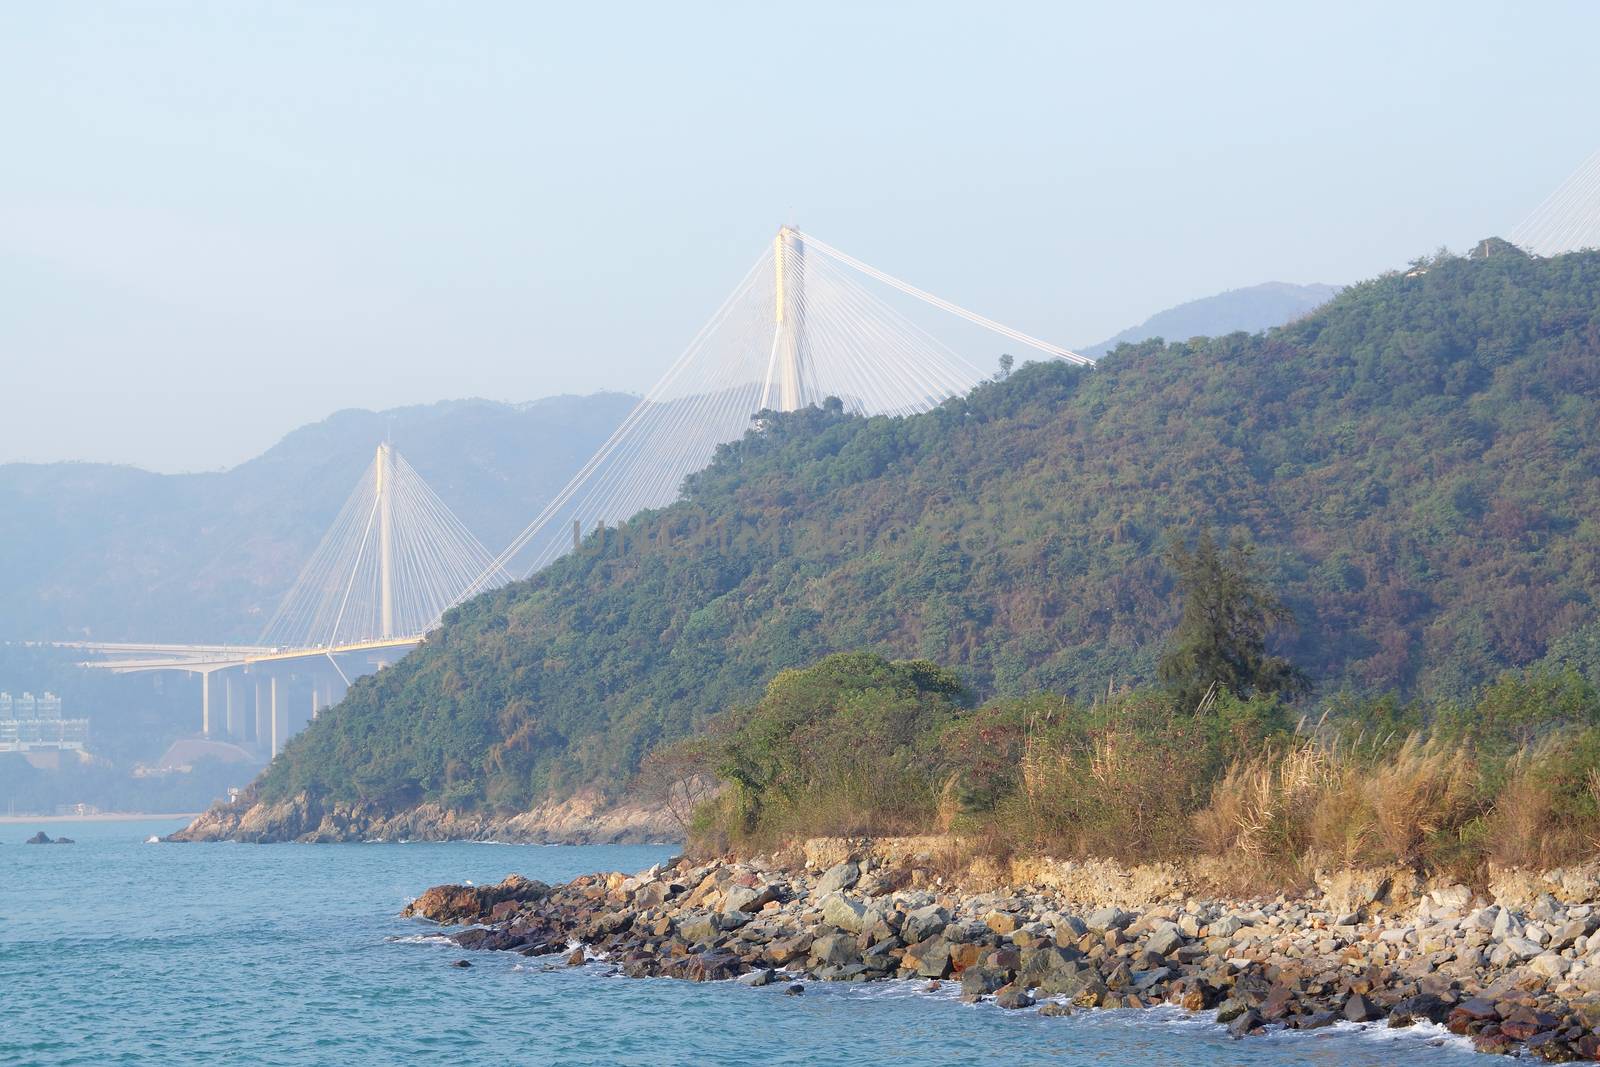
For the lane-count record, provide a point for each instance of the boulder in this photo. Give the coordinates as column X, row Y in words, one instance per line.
column 1226, row 926
column 981, row 980
column 1011, row 998
column 1245, row 1022
column 1549, row 965
column 1358, row 1009
column 746, row 898
column 1041, row 963
column 40, row 838
column 838, row 877
column 1000, row 922
column 924, row 923
column 1521, row 948
column 834, row 950
column 472, row 903
column 1107, row 918
column 928, row 959
column 713, row 966
column 1567, row 933
column 1422, row 1006
column 1506, row 925
column 1165, row 940
column 839, row 910
column 697, row 928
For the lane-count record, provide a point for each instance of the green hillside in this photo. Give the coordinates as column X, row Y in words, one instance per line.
column 1416, row 461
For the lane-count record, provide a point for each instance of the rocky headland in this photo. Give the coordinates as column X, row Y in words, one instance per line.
column 580, row 820
column 1513, row 965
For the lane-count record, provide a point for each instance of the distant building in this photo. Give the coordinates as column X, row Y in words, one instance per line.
column 34, row 724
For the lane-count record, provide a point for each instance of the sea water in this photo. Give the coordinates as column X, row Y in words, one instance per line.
column 114, row 950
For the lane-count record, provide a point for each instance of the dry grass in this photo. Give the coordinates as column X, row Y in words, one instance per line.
column 1542, row 815
column 1286, row 811
column 1270, row 820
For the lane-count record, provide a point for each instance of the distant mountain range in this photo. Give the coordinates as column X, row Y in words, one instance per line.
column 1252, row 309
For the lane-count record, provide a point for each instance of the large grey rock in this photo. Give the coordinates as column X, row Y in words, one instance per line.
column 698, row 928
column 1226, row 926
column 1506, row 925
column 839, row 876
column 1549, row 965
column 976, row 981
column 1069, row 927
column 1165, row 940
column 1011, row 998
column 744, row 898
column 1568, row 932
column 833, row 950
column 924, row 923
column 1069, row 979
column 1039, row 964
column 1520, row 948
column 1107, row 918
column 932, row 957
column 839, row 910
column 965, row 933
column 1547, row 909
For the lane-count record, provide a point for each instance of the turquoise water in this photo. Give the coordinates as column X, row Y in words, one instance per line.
column 116, row 951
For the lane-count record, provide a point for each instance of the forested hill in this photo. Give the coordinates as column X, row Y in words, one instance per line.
column 1417, row 461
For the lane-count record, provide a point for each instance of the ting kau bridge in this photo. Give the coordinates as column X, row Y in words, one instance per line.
column 806, row 322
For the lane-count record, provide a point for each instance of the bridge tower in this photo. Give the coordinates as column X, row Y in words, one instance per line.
column 384, row 485
column 788, row 366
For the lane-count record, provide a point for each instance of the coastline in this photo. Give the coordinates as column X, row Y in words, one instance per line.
column 585, row 819
column 1513, row 966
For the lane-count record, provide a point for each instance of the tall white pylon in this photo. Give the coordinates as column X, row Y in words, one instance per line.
column 784, row 388
column 804, row 324
column 394, row 559
column 382, row 482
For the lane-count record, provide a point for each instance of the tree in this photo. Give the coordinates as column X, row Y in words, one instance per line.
column 1228, row 616
column 1006, row 363
column 679, row 777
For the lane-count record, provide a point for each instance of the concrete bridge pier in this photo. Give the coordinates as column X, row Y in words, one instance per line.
column 275, row 716
column 205, row 703
column 261, row 729
column 233, row 706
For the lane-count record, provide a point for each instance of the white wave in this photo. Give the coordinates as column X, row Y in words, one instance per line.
column 420, row 939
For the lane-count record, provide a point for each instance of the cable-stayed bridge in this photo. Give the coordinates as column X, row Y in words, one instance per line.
column 394, row 559
column 805, row 323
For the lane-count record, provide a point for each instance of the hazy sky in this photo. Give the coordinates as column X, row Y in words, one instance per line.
column 221, row 220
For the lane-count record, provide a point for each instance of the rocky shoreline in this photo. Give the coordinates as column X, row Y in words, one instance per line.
column 579, row 820
column 1513, row 970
